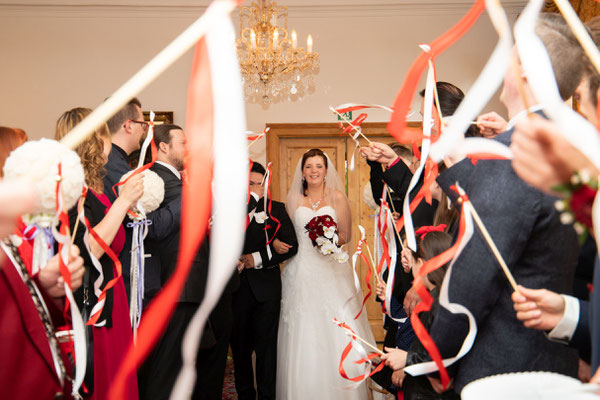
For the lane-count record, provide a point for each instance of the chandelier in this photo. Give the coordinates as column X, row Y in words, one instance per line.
column 273, row 67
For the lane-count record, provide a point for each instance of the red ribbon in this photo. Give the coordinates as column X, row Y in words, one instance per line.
column 270, row 206
column 424, row 230
column 111, row 254
column 427, row 301
column 196, row 205
column 139, row 170
column 356, row 123
column 367, row 276
column 345, row 353
column 431, row 173
column 484, row 156
column 403, row 102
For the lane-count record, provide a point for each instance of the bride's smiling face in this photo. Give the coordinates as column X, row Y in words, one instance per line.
column 314, row 170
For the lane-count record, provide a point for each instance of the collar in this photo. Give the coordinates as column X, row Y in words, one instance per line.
column 170, row 168
column 516, row 118
column 120, row 150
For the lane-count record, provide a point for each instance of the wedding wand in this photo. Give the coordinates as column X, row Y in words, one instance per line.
column 464, row 199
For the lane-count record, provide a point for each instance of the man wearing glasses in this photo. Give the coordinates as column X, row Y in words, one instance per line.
column 127, row 128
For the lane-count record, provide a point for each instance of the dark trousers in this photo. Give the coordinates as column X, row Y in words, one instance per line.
column 159, row 372
column 210, row 363
column 255, row 329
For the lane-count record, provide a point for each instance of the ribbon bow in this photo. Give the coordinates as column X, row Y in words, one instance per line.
column 424, row 230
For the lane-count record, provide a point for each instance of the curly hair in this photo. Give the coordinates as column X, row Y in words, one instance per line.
column 90, row 151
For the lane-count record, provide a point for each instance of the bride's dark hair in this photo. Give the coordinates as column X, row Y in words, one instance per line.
column 307, row 155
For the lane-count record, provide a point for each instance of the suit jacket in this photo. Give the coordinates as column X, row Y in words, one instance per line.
column 164, row 221
column 265, row 282
column 165, row 251
column 587, row 333
column 26, row 368
column 539, row 250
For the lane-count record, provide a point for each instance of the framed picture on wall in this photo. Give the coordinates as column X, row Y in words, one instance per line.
column 160, row 117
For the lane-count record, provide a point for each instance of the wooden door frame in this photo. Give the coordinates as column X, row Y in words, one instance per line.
column 319, row 129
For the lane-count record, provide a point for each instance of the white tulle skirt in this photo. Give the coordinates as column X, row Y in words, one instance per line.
column 310, row 345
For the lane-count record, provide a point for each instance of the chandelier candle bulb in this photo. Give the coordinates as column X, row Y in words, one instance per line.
column 253, row 39
column 309, row 44
column 294, row 40
column 275, row 38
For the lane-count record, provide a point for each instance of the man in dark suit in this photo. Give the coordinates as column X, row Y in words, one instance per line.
column 256, row 304
column 127, row 127
column 539, row 250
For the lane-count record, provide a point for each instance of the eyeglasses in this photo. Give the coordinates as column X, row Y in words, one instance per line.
column 144, row 124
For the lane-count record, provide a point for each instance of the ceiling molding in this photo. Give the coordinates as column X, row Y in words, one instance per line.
column 188, row 9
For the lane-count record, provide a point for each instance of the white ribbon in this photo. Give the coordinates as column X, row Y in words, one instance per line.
column 267, row 182
column 393, row 253
column 230, row 182
column 427, row 124
column 79, row 344
column 96, row 263
column 491, row 77
column 455, row 308
column 540, row 77
column 346, row 312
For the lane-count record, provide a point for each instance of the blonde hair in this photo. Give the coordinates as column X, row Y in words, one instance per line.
column 90, row 151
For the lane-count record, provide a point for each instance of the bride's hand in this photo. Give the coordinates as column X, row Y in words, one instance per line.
column 281, row 247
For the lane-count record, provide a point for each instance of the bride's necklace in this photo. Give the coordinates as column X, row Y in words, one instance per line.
column 314, row 206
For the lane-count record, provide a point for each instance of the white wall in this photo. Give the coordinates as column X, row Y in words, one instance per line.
column 58, row 57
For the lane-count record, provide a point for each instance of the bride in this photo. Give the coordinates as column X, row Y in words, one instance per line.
column 315, row 289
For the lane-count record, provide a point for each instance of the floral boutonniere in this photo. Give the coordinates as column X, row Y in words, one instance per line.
column 577, row 202
column 260, row 217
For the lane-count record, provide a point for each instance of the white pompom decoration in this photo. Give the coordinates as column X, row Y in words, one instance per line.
column 37, row 162
column 154, row 191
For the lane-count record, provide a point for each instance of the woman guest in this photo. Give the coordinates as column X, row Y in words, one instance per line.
column 32, row 364
column 112, row 334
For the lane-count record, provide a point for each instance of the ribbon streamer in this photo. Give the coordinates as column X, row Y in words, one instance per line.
column 427, row 124
column 364, row 357
column 485, row 86
column 465, row 232
column 402, row 103
column 64, row 243
column 196, row 198
column 538, row 68
column 230, row 184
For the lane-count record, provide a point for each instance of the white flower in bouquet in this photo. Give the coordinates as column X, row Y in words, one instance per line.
column 37, row 162
column 260, row 217
column 321, row 241
column 335, row 239
column 329, row 231
column 328, row 248
column 341, row 256
column 154, row 191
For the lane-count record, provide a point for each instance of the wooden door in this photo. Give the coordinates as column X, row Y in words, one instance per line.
column 286, row 143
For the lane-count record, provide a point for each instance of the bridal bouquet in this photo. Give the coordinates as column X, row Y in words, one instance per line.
column 322, row 231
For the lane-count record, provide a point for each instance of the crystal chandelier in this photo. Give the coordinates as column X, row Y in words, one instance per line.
column 274, row 68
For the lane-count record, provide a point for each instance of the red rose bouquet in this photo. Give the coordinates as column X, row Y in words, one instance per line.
column 323, row 232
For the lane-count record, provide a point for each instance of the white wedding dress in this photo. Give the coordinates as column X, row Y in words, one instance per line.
column 314, row 290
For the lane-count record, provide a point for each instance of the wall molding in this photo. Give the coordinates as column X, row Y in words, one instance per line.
column 188, row 9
